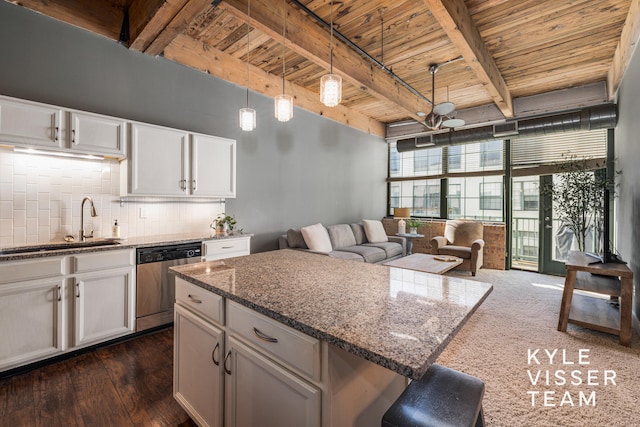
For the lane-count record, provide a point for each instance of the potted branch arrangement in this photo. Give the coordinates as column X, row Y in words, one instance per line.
column 578, row 198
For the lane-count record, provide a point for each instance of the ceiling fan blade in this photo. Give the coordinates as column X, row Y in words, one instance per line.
column 453, row 123
column 444, row 108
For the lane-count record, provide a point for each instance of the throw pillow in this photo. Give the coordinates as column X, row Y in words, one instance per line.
column 316, row 238
column 295, row 238
column 374, row 231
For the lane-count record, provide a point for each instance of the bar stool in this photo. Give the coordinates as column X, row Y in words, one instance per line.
column 442, row 397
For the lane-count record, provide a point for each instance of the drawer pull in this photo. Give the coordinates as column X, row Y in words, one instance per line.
column 264, row 337
column 194, row 299
column 227, row 247
column 225, row 362
column 213, row 354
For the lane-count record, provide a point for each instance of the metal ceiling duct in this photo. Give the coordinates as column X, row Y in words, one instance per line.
column 598, row 117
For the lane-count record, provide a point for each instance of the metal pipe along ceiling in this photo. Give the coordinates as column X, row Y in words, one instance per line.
column 598, row 117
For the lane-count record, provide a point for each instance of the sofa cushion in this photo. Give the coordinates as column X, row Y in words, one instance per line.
column 358, row 233
column 392, row 249
column 374, row 231
column 459, row 251
column 295, row 239
column 346, row 255
column 316, row 238
column 369, row 253
column 341, row 236
column 462, row 233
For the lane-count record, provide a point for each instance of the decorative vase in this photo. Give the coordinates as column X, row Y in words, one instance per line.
column 413, row 230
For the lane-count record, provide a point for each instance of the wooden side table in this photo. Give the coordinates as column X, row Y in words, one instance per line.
column 614, row 280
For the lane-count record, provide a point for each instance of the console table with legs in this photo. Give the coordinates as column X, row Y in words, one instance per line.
column 610, row 279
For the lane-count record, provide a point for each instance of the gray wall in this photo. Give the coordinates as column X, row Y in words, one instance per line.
column 627, row 153
column 307, row 170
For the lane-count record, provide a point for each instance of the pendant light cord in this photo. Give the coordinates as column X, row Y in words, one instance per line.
column 284, row 30
column 248, row 50
column 331, row 39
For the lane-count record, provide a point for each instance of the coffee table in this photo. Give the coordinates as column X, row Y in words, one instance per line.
column 426, row 263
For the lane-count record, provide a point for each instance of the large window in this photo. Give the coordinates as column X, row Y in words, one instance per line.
column 526, row 195
column 474, row 196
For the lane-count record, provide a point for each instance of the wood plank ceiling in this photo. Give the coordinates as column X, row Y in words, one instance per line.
column 492, row 51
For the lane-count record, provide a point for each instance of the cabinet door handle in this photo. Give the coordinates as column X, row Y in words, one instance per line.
column 183, row 184
column 56, row 133
column 213, row 354
column 263, row 336
column 59, row 293
column 228, row 371
column 194, row 299
column 194, row 187
column 77, row 289
column 73, row 136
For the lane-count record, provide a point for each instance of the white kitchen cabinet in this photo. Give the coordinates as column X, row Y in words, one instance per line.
column 213, row 166
column 158, row 161
column 31, row 311
column 259, row 391
column 103, row 295
column 226, row 248
column 170, row 162
column 30, row 124
column 27, row 124
column 94, row 133
column 198, row 368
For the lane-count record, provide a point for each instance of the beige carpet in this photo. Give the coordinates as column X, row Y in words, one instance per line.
column 521, row 314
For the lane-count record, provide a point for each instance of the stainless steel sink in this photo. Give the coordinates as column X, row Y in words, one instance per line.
column 58, row 246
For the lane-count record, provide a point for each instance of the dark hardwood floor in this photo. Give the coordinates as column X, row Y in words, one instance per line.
column 126, row 384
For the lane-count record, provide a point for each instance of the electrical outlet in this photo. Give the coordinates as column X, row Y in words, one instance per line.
column 143, row 213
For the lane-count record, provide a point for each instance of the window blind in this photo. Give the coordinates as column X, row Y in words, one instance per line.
column 558, row 147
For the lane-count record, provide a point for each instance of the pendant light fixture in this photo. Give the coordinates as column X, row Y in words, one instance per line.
column 331, row 84
column 247, row 114
column 283, row 103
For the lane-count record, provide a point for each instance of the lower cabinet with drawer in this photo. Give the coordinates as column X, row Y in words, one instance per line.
column 53, row 305
column 102, row 288
column 219, row 364
column 226, row 248
column 236, row 367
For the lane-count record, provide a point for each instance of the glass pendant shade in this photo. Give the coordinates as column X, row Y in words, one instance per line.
column 331, row 90
column 247, row 119
column 283, row 107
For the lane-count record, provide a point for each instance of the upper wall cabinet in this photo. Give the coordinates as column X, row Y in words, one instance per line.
column 34, row 125
column 170, row 162
column 213, row 166
column 30, row 124
column 94, row 133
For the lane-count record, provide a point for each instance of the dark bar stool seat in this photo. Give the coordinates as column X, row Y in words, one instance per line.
column 442, row 397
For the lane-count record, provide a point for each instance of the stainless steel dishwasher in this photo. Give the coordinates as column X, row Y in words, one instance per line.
column 155, row 286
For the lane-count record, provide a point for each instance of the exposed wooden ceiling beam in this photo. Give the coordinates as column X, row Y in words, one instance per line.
column 312, row 42
column 628, row 39
column 177, row 25
column 191, row 53
column 96, row 16
column 455, row 19
column 147, row 18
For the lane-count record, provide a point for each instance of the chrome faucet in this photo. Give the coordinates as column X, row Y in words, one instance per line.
column 82, row 236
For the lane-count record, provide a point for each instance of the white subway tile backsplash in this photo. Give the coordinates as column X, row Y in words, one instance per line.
column 46, row 204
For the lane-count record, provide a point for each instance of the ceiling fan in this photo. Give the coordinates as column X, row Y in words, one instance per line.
column 443, row 114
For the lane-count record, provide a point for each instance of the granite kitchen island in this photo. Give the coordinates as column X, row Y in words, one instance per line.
column 304, row 339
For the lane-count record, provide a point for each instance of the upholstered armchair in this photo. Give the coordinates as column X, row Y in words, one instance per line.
column 463, row 239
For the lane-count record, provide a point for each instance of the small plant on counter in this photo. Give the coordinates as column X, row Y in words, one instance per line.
column 223, row 223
